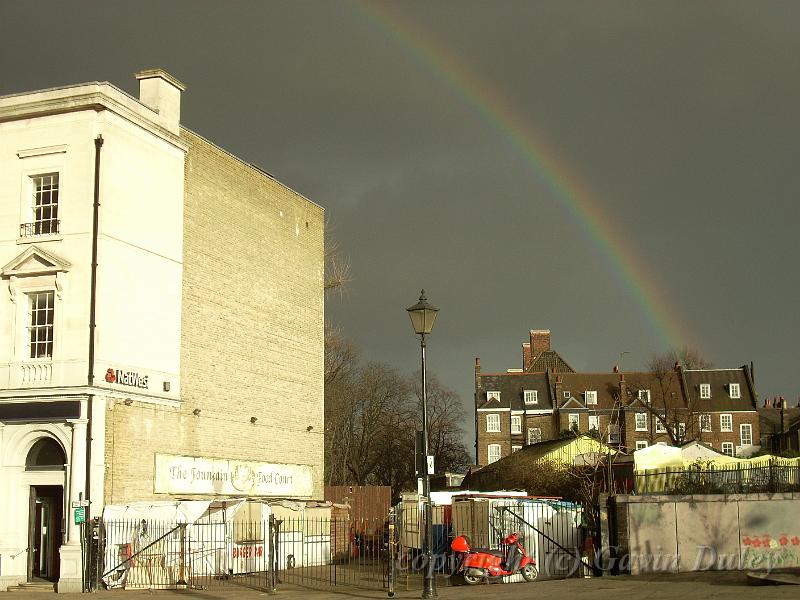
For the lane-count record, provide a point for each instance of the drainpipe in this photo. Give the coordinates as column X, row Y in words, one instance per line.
column 98, row 144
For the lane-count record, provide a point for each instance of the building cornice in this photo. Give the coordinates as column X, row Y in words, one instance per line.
column 92, row 96
column 70, row 393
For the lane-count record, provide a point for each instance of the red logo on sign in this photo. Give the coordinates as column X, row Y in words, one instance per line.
column 111, row 376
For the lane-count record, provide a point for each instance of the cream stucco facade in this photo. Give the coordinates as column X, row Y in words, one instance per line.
column 206, row 303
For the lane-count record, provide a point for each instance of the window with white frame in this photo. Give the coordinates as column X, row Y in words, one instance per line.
column 734, row 390
column 531, row 396
column 681, row 431
column 44, row 206
column 492, row 396
column 641, row 444
column 516, row 448
column 661, row 424
column 594, row 422
column 516, row 424
column 727, row 448
column 574, row 421
column 726, row 422
column 493, row 452
column 640, row 421
column 644, row 396
column 567, row 394
column 746, row 434
column 591, row 397
column 41, row 319
column 493, row 423
column 534, row 435
column 705, row 423
column 705, row 390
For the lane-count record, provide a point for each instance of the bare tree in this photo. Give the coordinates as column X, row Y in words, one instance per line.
column 672, row 414
column 445, row 415
column 337, row 265
column 687, row 357
column 372, row 413
column 341, row 356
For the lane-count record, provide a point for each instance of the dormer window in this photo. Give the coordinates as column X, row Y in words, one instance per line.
column 705, row 390
column 531, row 396
column 591, row 397
column 734, row 390
column 644, row 396
column 493, row 396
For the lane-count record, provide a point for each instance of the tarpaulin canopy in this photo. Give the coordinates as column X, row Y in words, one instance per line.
column 175, row 511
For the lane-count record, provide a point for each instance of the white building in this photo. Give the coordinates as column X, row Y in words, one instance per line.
column 145, row 326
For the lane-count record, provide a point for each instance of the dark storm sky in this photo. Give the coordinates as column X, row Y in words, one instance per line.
column 679, row 120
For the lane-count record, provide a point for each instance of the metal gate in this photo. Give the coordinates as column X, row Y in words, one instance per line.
column 562, row 536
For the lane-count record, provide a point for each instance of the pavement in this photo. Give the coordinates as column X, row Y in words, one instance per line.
column 727, row 585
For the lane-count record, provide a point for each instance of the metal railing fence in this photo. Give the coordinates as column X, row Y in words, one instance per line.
column 719, row 479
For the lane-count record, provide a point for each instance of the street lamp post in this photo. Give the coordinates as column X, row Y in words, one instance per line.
column 422, row 316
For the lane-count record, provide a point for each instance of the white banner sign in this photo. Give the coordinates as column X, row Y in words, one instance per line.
column 213, row 476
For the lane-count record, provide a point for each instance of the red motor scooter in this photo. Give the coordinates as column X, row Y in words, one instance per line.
column 481, row 564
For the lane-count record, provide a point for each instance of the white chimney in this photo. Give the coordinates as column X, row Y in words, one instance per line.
column 162, row 92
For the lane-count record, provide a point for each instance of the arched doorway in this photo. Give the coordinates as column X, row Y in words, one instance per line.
column 45, row 523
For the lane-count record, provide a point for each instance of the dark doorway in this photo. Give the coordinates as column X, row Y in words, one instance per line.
column 46, row 512
column 45, row 532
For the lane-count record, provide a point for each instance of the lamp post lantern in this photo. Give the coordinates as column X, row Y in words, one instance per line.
column 422, row 316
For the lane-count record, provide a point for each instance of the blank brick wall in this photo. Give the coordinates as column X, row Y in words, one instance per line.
column 252, row 331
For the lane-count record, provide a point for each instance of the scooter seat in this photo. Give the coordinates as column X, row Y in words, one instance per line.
column 489, row 551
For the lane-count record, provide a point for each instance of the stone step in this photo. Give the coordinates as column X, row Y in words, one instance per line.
column 32, row 586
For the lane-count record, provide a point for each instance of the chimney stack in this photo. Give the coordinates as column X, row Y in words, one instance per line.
column 540, row 342
column 526, row 356
column 162, row 92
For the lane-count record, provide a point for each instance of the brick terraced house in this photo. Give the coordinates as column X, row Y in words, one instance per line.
column 629, row 411
column 161, row 322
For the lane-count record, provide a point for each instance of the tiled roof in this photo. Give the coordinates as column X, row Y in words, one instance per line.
column 577, row 384
column 512, row 387
column 551, row 361
column 719, row 380
column 665, row 389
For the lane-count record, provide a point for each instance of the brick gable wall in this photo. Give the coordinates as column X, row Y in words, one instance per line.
column 252, row 331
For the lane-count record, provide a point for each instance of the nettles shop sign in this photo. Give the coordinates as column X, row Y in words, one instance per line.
column 130, row 378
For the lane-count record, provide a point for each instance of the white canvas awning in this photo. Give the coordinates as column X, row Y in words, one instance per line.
column 175, row 511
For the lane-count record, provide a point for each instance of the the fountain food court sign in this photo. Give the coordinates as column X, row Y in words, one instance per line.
column 215, row 476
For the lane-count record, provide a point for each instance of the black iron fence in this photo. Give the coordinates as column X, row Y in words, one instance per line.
column 292, row 547
column 735, row 478
column 148, row 554
column 316, row 552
